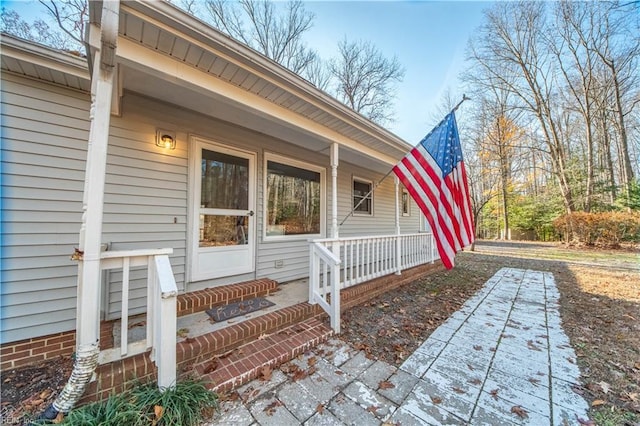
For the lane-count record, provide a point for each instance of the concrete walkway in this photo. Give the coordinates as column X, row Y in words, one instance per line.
column 502, row 359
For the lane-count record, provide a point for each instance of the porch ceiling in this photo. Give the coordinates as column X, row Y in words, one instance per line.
column 172, row 56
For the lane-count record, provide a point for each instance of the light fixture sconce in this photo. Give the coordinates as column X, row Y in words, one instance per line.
column 166, row 139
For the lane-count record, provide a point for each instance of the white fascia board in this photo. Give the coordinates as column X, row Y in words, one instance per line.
column 137, row 56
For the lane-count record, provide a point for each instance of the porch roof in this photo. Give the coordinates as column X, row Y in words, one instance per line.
column 32, row 60
column 167, row 54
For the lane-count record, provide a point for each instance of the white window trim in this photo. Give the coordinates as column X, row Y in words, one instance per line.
column 368, row 182
column 268, row 156
column 408, row 213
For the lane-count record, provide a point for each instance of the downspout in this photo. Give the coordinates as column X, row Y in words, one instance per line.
column 89, row 272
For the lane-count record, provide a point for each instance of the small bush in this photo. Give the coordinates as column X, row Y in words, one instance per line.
column 607, row 229
column 189, row 403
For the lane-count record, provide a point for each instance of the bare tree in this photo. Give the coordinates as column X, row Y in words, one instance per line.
column 617, row 45
column 576, row 61
column 318, row 74
column 259, row 25
column 38, row 31
column 365, row 79
column 509, row 49
column 71, row 16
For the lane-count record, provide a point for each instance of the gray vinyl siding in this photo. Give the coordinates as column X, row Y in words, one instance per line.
column 44, row 137
column 383, row 219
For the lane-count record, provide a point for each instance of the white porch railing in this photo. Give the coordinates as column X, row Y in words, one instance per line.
column 343, row 262
column 161, row 310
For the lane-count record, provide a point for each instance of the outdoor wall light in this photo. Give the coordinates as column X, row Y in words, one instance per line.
column 166, row 139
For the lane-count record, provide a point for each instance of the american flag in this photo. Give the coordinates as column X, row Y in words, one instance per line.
column 435, row 176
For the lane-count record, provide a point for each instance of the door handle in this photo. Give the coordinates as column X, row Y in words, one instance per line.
column 250, row 213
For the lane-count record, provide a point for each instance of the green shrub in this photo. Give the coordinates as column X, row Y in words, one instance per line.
column 607, row 229
column 188, row 403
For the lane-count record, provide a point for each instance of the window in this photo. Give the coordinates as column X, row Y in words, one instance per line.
column 406, row 204
column 294, row 198
column 362, row 197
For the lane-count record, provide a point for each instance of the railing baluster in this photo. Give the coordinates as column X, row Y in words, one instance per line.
column 124, row 323
column 152, row 289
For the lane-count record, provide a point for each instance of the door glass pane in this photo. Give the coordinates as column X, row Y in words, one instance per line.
column 225, row 181
column 216, row 231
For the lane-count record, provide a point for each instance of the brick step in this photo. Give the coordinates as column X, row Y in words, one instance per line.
column 193, row 351
column 201, row 300
column 246, row 362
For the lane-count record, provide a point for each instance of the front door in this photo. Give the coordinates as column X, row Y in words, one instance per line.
column 223, row 221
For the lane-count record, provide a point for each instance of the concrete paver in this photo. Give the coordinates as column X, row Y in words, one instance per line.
column 503, row 358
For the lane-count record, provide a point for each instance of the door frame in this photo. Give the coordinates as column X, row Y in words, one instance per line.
column 196, row 144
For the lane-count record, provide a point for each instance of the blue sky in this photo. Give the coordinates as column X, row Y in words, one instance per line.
column 428, row 37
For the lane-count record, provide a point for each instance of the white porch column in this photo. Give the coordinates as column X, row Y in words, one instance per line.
column 89, row 272
column 334, row 191
column 398, row 245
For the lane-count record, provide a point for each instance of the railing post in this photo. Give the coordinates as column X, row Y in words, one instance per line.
column 313, row 274
column 165, row 339
column 335, row 298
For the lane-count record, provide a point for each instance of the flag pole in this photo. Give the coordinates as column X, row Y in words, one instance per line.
column 464, row 98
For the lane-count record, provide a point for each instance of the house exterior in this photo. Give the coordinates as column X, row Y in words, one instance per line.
column 214, row 151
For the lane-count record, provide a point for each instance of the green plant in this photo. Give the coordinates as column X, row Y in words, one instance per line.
column 188, row 403
column 613, row 417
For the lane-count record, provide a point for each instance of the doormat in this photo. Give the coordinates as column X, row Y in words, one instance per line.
column 232, row 310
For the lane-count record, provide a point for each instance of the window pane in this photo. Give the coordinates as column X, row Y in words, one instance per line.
column 405, row 203
column 360, row 190
column 293, row 200
column 216, row 231
column 225, row 181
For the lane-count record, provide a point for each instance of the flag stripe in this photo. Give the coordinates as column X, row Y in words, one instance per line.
column 434, row 172
column 435, row 176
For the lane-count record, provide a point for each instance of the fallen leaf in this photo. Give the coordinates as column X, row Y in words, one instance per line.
column 585, row 422
column 312, row 361
column 158, row 411
column 470, row 367
column 605, row 387
column 494, row 394
column 311, row 371
column 386, row 385
column 533, row 381
column 266, row 373
column 299, row 375
column 320, row 409
column 598, row 402
column 458, row 390
column 183, row 332
column 519, row 411
column 477, row 347
column 211, row 366
column 373, row 409
column 532, row 346
column 271, row 408
column 475, row 381
column 436, row 399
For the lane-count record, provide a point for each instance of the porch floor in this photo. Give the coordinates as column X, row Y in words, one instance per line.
column 199, row 323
